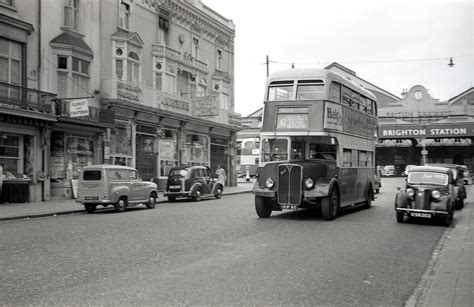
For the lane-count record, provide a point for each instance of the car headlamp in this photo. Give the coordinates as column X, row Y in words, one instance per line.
column 436, row 194
column 309, row 183
column 410, row 192
column 269, row 183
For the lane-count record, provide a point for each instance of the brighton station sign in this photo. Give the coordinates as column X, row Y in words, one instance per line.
column 434, row 131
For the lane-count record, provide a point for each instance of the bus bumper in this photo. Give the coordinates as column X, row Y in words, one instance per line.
column 264, row 192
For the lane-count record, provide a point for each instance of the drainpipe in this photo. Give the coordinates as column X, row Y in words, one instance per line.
column 39, row 43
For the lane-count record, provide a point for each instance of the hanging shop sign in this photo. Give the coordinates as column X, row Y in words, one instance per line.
column 78, row 108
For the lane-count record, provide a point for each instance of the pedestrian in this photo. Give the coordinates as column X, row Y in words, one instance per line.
column 220, row 173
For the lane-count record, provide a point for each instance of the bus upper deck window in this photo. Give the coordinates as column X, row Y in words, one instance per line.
column 280, row 90
column 309, row 89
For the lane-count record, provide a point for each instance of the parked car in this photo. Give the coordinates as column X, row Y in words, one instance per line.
column 460, row 189
column 116, row 185
column 192, row 182
column 388, row 170
column 467, row 179
column 429, row 193
column 407, row 169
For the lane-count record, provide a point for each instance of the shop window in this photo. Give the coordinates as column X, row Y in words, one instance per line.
column 121, row 144
column 196, row 149
column 146, row 155
column 79, row 153
column 10, row 155
column 168, row 152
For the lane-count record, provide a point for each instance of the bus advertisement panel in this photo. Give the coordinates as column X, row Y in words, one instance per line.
column 317, row 144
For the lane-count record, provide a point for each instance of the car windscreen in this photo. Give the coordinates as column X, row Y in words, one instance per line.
column 427, row 178
column 179, row 172
column 92, row 175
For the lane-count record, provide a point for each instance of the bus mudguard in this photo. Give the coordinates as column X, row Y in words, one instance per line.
column 321, row 188
column 264, row 192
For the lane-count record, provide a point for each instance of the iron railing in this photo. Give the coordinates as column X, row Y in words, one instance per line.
column 26, row 98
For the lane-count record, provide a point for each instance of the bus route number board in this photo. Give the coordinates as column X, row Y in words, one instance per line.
column 292, row 121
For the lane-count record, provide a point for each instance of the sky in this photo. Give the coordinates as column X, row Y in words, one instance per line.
column 393, row 44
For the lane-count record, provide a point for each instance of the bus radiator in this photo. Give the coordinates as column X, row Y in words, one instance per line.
column 289, row 184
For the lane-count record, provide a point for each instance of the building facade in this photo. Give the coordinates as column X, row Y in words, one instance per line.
column 143, row 83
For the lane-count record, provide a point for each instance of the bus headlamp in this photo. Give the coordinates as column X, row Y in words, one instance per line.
column 269, row 183
column 410, row 192
column 309, row 183
column 436, row 194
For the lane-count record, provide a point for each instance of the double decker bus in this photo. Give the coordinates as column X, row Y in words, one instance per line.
column 248, row 153
column 317, row 143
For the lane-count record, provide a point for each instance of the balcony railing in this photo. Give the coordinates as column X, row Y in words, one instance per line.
column 179, row 56
column 98, row 115
column 26, row 98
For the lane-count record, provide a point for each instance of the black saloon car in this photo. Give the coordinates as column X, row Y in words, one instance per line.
column 459, row 187
column 429, row 193
column 192, row 182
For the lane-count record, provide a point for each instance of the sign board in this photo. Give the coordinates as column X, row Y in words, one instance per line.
column 333, row 116
column 79, row 108
column 424, row 152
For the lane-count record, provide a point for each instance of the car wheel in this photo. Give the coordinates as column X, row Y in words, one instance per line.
column 151, row 201
column 263, row 206
column 197, row 195
column 121, row 204
column 90, row 208
column 172, row 198
column 400, row 217
column 448, row 219
column 218, row 193
column 330, row 205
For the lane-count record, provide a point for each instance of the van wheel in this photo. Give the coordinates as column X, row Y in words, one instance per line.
column 263, row 206
column 151, row 201
column 121, row 204
column 90, row 208
column 218, row 193
column 198, row 195
column 330, row 205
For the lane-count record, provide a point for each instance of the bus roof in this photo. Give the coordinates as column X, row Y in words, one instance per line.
column 312, row 73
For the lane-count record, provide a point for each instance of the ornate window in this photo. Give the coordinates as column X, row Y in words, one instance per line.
column 127, row 62
column 73, row 77
column 71, row 14
column 124, row 15
column 10, row 61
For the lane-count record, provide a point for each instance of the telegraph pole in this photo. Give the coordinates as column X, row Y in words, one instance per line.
column 267, row 62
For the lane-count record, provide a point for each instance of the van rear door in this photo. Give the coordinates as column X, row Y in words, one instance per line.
column 91, row 185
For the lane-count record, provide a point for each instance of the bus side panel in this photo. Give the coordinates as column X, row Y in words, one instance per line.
column 354, row 184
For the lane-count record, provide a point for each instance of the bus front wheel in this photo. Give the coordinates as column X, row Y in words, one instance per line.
column 263, row 206
column 330, row 205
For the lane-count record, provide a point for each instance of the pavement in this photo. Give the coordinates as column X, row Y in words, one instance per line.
column 16, row 211
column 447, row 281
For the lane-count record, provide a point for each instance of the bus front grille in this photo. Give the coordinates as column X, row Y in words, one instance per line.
column 289, row 184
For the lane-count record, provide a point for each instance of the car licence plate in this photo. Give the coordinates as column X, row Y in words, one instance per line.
column 291, row 207
column 418, row 214
column 175, row 187
column 91, row 198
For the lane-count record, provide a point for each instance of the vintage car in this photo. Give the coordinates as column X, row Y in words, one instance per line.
column 459, row 188
column 429, row 193
column 116, row 185
column 192, row 182
column 388, row 170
